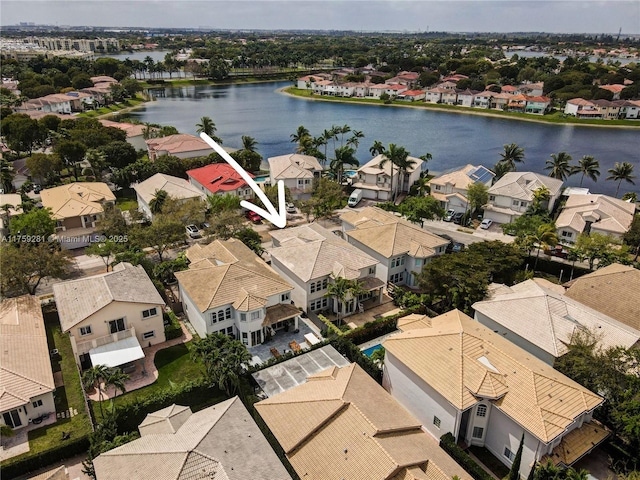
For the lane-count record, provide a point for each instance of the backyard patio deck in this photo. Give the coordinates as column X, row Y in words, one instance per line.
column 385, row 308
column 280, row 341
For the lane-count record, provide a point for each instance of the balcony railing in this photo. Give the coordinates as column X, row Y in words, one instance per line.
column 84, row 347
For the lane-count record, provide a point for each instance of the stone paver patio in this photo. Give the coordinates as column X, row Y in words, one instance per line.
column 281, row 340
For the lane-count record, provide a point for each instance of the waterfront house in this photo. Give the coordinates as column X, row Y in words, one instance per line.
column 412, row 95
column 517, row 103
column 594, row 213
column 217, row 442
column 456, row 375
column 629, row 109
column 181, row 145
column 510, row 89
column 76, row 208
column 296, row 171
column 229, row 289
column 310, row 258
column 466, row 97
column 610, row 110
column 532, row 89
column 434, row 95
column 54, row 103
column 612, row 290
column 375, row 181
column 581, row 108
column 26, row 378
column 450, row 188
column 482, row 99
column 499, row 101
column 513, row 194
column 341, row 424
column 536, row 105
column 111, row 317
column 539, row 318
column 400, row 247
column 220, row 179
column 176, row 188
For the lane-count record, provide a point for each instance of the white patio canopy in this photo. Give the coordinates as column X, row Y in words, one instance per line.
column 117, row 353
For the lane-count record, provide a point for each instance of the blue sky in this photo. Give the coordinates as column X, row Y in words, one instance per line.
column 566, row 16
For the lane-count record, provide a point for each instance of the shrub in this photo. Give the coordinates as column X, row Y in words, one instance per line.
column 354, row 354
column 448, row 444
column 332, row 330
column 173, row 329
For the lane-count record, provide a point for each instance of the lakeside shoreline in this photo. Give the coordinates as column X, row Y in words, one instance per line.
column 434, row 107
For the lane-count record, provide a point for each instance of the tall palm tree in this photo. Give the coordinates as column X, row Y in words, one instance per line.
column 299, row 134
column 426, row 157
column 588, row 166
column 321, row 142
column 342, row 130
column 559, row 166
column 355, row 138
column 377, row 148
column 343, row 156
column 207, row 126
column 92, row 378
column 249, row 143
column 342, row 290
column 6, row 176
column 116, row 378
column 158, row 201
column 404, row 165
column 395, row 156
column 621, row 171
column 512, row 155
column 500, row 169
column 544, row 237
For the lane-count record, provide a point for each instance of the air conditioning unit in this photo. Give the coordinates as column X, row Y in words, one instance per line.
column 54, row 352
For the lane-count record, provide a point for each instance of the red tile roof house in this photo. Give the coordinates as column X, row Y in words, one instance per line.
column 412, row 95
column 615, row 89
column 181, row 145
column 220, row 179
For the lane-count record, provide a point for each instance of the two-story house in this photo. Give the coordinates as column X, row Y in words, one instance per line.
column 220, row 179
column 400, row 247
column 513, row 194
column 456, row 375
column 181, row 145
column 26, row 378
column 310, row 257
column 450, row 188
column 111, row 317
column 296, row 171
column 594, row 213
column 375, row 181
column 228, row 289
column 76, row 208
column 176, row 188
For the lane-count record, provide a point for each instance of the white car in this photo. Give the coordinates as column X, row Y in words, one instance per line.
column 193, row 231
column 291, row 208
column 486, row 223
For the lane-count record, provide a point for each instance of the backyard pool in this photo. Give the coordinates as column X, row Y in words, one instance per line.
column 350, row 173
column 369, row 351
column 262, row 178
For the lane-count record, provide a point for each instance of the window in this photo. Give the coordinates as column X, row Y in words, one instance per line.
column 150, row 334
column 477, row 432
column 243, row 317
column 318, row 304
column 285, row 296
column 230, row 331
column 509, row 454
column 492, row 198
column 567, row 234
column 152, row 312
column 436, row 421
column 324, row 284
column 37, row 403
column 523, row 204
column 515, row 203
column 245, row 339
column 372, row 270
column 437, row 187
column 220, row 315
column 256, row 315
column 313, row 287
column 85, row 330
column 481, row 411
column 116, row 326
column 419, row 260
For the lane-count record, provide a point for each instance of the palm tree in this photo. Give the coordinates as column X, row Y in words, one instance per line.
column 377, row 148
column 355, row 138
column 249, row 143
column 621, row 171
column 627, row 197
column 540, row 196
column 500, row 169
column 320, row 142
column 299, row 134
column 343, row 156
column 116, row 378
column 404, row 165
column 559, row 166
column 512, row 155
column 158, row 200
column 395, row 156
column 92, row 378
column 342, row 289
column 342, row 130
column 98, row 162
column 6, row 176
column 588, row 166
column 545, row 236
column 207, row 126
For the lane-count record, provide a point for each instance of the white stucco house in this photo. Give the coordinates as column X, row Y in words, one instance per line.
column 111, row 317
column 296, row 171
column 513, row 194
column 400, row 247
column 375, row 181
column 457, row 376
column 228, row 289
column 309, row 257
column 177, row 188
column 450, row 188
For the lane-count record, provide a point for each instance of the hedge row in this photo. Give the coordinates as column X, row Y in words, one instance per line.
column 46, row 458
column 448, row 444
column 331, row 328
column 379, row 327
column 354, row 354
column 173, row 330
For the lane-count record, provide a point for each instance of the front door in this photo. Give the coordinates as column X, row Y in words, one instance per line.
column 12, row 419
column 256, row 337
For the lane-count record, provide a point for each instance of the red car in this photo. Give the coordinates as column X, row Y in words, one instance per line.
column 253, row 216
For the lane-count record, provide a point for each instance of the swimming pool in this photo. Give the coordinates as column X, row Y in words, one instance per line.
column 262, row 178
column 350, row 173
column 369, row 351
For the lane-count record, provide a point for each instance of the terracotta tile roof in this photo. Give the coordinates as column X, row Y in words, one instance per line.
column 79, row 299
column 389, row 235
column 179, row 143
column 76, row 199
column 132, row 129
column 221, row 442
column 613, row 88
column 227, row 272
column 613, row 215
column 413, row 93
column 580, row 101
column 539, row 99
column 218, row 177
column 175, row 187
column 612, row 290
column 25, row 366
column 373, row 166
column 311, row 251
column 342, row 424
column 521, row 185
column 508, row 88
column 576, row 444
column 293, row 165
column 464, row 361
column 549, row 319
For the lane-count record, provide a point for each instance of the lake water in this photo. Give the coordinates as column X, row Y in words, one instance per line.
column 562, row 58
column 453, row 139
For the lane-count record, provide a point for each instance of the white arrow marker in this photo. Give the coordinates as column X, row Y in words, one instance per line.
column 277, row 217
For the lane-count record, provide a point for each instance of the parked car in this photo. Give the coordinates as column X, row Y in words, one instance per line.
column 486, row 223
column 291, row 208
column 449, row 215
column 253, row 216
column 457, row 218
column 558, row 251
column 37, row 188
column 453, row 246
column 204, row 225
column 193, row 231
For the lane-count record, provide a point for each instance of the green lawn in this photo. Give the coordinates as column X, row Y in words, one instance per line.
column 69, row 396
column 131, row 102
column 490, row 461
column 126, row 200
